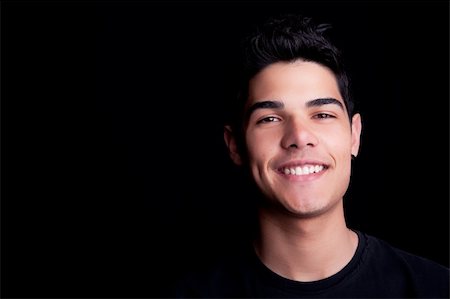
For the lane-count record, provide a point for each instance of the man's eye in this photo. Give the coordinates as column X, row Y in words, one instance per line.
column 269, row 119
column 323, row 115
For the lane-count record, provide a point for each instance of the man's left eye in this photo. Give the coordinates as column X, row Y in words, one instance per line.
column 323, row 115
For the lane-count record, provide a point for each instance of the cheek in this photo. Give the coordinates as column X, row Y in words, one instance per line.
column 261, row 146
column 342, row 154
column 339, row 141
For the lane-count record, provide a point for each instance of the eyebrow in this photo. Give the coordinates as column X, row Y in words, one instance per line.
column 324, row 101
column 264, row 105
column 280, row 105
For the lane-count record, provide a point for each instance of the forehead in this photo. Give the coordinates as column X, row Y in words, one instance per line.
column 303, row 80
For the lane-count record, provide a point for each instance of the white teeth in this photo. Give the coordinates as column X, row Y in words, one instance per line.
column 305, row 170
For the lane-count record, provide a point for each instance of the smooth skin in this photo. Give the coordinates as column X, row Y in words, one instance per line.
column 300, row 140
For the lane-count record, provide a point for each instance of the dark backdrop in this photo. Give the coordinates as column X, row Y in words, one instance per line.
column 115, row 179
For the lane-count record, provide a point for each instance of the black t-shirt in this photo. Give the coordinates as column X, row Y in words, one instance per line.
column 376, row 270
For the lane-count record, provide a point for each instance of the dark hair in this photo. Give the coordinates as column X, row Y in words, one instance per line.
column 286, row 38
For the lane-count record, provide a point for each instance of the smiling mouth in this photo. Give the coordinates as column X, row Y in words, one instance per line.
column 303, row 170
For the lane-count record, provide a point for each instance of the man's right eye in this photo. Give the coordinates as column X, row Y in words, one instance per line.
column 268, row 119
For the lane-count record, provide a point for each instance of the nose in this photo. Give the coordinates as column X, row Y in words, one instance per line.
column 298, row 135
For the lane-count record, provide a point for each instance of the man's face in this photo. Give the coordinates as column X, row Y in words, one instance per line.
column 299, row 137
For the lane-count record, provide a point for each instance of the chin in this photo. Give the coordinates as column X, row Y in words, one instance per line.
column 306, row 213
column 308, row 208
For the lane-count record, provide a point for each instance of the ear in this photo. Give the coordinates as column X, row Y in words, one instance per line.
column 356, row 133
column 230, row 141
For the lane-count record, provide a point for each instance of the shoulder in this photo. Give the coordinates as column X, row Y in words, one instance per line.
column 222, row 277
column 425, row 270
column 427, row 276
column 416, row 262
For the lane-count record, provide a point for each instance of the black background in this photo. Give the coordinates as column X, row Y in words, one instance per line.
column 114, row 175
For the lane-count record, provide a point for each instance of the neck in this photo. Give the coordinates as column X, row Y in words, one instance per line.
column 305, row 249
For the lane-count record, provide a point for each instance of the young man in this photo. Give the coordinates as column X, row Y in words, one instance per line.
column 296, row 131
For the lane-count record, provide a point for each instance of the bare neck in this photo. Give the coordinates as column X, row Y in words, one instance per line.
column 305, row 249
